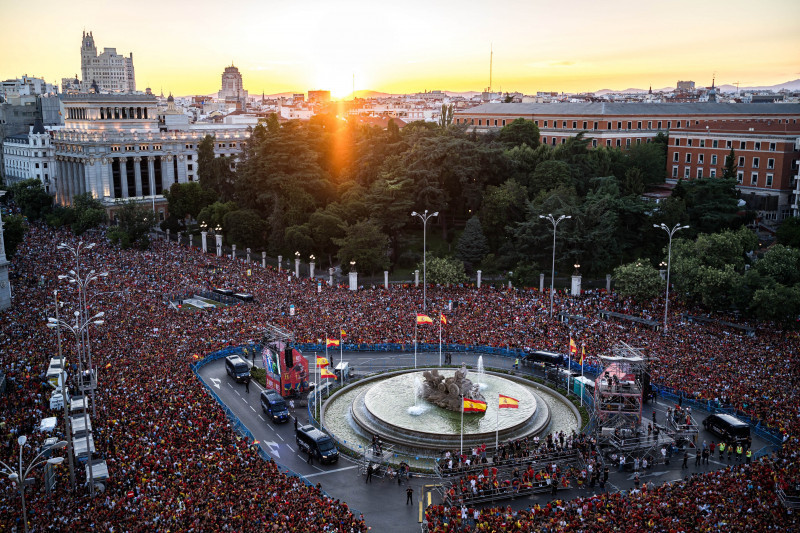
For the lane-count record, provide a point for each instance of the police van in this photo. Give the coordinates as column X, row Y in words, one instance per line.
column 319, row 444
column 273, row 405
column 727, row 427
column 237, row 368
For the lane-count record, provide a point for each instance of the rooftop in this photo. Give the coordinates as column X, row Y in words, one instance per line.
column 634, row 108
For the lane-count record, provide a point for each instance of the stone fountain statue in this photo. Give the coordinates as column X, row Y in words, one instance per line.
column 447, row 392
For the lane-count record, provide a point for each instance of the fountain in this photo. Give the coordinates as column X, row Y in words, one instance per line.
column 447, row 392
column 481, row 374
column 417, row 409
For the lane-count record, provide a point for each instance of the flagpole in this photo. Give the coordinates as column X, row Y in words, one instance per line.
column 316, row 374
column 440, row 338
column 461, row 451
column 497, row 426
column 415, row 342
column 341, row 356
column 569, row 365
column 583, row 356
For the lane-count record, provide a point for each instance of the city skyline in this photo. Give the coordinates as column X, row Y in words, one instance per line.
column 416, row 46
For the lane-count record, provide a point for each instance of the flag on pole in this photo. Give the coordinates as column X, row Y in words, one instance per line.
column 424, row 319
column 322, row 362
column 573, row 348
column 583, row 353
column 342, row 333
column 474, row 406
column 442, row 318
column 331, row 342
column 324, row 373
column 507, row 402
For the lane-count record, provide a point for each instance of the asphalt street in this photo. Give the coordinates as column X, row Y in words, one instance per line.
column 383, row 502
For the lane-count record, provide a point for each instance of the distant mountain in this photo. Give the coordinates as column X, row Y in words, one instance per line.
column 793, row 85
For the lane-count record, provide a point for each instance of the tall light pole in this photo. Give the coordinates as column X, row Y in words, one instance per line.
column 670, row 232
column 555, row 223
column 78, row 330
column 19, row 474
column 64, row 399
column 424, row 217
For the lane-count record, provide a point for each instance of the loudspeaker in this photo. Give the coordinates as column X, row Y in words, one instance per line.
column 288, row 358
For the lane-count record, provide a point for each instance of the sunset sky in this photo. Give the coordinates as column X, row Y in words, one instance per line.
column 183, row 46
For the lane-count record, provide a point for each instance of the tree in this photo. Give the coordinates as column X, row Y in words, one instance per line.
column 443, row 270
column 245, row 228
column 215, row 172
column 364, row 243
column 188, row 199
column 472, row 246
column 446, row 116
column 778, row 303
column 519, row 132
column 214, row 215
column 88, row 213
column 712, row 204
column 549, row 175
column 731, row 166
column 14, row 228
column 31, row 198
column 782, row 264
column 503, row 206
column 134, row 222
column 638, row 280
column 788, row 232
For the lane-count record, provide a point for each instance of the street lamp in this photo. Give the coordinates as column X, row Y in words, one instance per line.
column 424, row 218
column 19, row 475
column 670, row 232
column 554, row 222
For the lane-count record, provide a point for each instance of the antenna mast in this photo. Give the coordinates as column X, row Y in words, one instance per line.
column 491, row 57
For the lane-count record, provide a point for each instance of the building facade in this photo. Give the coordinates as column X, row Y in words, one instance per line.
column 30, row 156
column 232, row 86
column 117, row 147
column 767, row 132
column 109, row 71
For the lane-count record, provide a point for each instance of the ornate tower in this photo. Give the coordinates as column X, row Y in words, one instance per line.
column 5, row 285
column 88, row 53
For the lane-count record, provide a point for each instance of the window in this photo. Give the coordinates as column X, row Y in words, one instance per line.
column 699, row 172
column 480, row 122
column 545, row 123
column 702, row 143
column 627, row 142
column 495, row 122
column 594, row 126
column 536, row 122
column 754, row 178
column 675, row 157
column 675, row 171
column 669, row 124
column 739, row 177
column 688, row 142
column 770, row 163
column 619, row 125
column 619, row 143
column 758, row 146
column 629, row 125
column 700, row 159
column 554, row 141
column 504, row 123
column 755, row 162
column 769, row 180
column 772, row 147
column 741, row 161
column 677, row 142
column 564, row 125
column 585, row 124
column 713, row 173
column 679, row 124
column 713, row 159
column 189, row 166
column 742, row 145
column 575, row 125
column 563, row 140
column 609, row 124
column 728, row 144
column 659, row 124
column 714, row 144
column 639, row 125
column 686, row 171
column 688, row 157
column 608, row 142
column 37, row 165
column 594, row 143
column 189, row 157
column 544, row 140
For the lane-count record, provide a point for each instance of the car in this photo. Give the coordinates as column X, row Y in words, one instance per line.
column 237, row 368
column 273, row 405
column 317, row 443
column 727, row 427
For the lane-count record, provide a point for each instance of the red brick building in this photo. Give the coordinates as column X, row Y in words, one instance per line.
column 770, row 133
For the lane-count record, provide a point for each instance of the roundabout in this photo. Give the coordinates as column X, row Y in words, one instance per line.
column 391, row 406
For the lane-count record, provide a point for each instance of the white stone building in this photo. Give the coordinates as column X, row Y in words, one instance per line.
column 109, row 70
column 26, row 86
column 232, row 86
column 30, row 155
column 119, row 147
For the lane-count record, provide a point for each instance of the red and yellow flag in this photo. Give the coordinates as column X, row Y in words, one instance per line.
column 324, row 373
column 474, row 406
column 322, row 362
column 424, row 319
column 507, row 402
column 442, row 318
column 583, row 353
column 573, row 348
column 342, row 333
column 331, row 342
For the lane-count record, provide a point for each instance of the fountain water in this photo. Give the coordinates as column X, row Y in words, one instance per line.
column 417, row 409
column 481, row 381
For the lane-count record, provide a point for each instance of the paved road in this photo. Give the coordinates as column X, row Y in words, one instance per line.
column 383, row 502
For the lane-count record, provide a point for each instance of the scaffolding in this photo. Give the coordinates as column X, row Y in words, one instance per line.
column 379, row 457
column 681, row 425
column 273, row 335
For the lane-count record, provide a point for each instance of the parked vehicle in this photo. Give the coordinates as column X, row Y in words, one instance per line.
column 727, row 427
column 319, row 444
column 237, row 368
column 273, row 405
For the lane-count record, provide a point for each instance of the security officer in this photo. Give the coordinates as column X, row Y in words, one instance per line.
column 516, row 363
column 721, row 451
column 748, row 455
column 739, row 452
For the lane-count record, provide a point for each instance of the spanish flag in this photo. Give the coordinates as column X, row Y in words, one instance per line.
column 331, row 342
column 322, row 362
column 424, row 319
column 507, row 402
column 573, row 348
column 442, row 318
column 342, row 333
column 474, row 406
column 324, row 373
column 583, row 353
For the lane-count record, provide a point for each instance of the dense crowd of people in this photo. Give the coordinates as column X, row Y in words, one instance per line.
column 175, row 464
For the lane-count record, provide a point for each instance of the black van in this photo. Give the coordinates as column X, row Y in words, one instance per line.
column 237, row 368
column 727, row 427
column 273, row 405
column 311, row 440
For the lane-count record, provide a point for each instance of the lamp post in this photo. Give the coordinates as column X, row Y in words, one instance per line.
column 203, row 234
column 218, row 239
column 19, row 475
column 297, row 265
column 78, row 330
column 424, row 218
column 64, row 399
column 311, row 265
column 555, row 223
column 670, row 232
